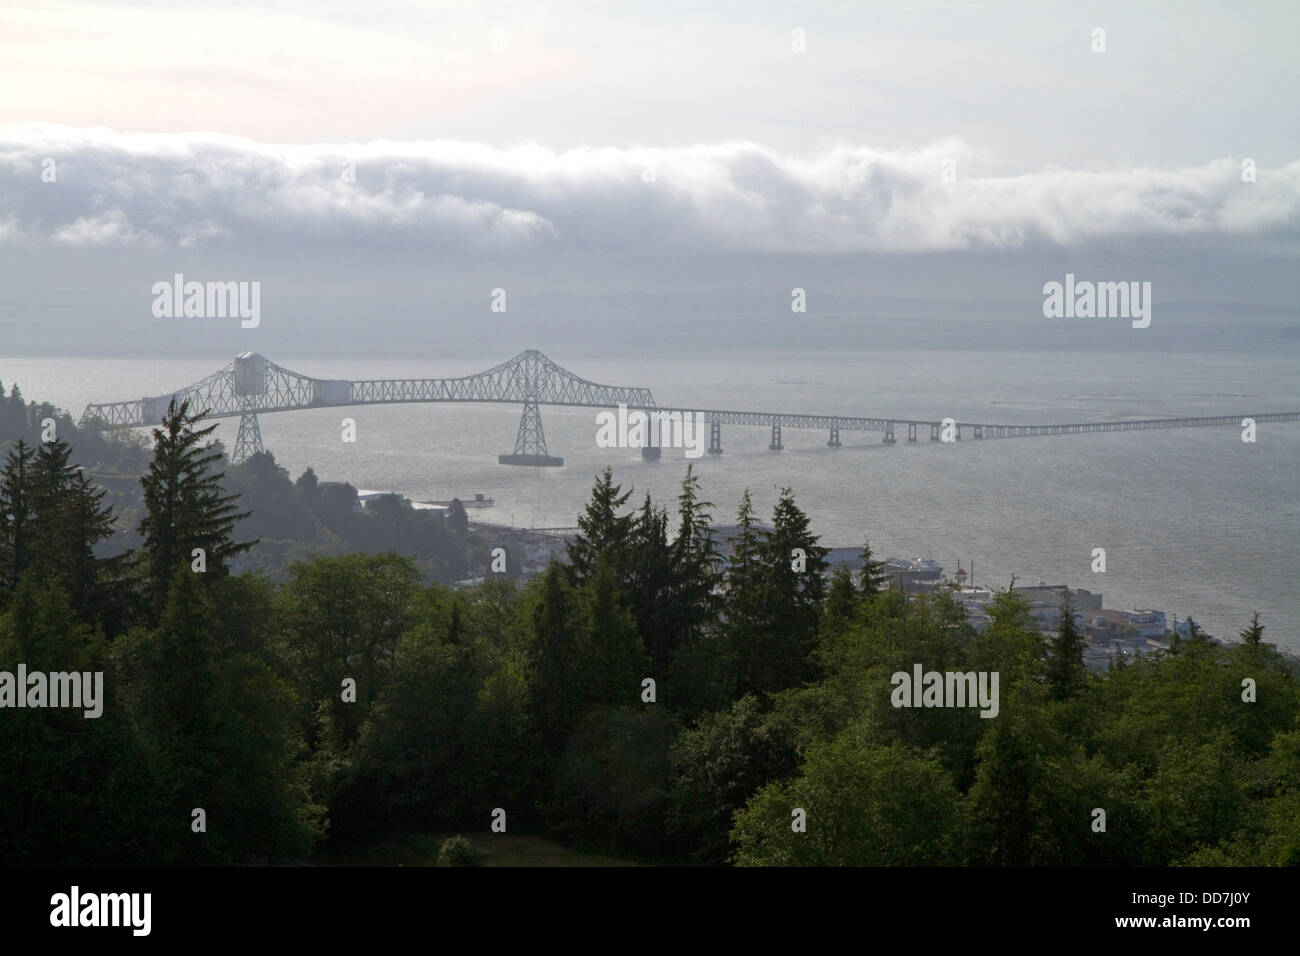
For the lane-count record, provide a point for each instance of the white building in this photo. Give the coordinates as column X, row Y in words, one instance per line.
column 1149, row 623
column 975, row 601
column 1047, row 615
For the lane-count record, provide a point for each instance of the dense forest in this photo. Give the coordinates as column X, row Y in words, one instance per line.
column 286, row 520
column 648, row 696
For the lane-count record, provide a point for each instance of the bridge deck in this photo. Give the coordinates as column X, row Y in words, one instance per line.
column 252, row 385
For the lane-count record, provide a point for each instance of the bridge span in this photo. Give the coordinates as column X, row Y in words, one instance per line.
column 252, row 385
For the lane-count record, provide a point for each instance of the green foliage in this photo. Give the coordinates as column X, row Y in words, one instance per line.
column 871, row 576
column 457, row 851
column 865, row 805
column 226, row 692
column 340, row 618
column 601, row 531
column 717, row 765
column 1066, row 673
column 17, row 514
column 185, row 504
column 1254, row 632
column 612, row 783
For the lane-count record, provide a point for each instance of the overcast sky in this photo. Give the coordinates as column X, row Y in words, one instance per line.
column 410, row 157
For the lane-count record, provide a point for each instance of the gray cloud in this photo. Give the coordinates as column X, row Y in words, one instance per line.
column 195, row 191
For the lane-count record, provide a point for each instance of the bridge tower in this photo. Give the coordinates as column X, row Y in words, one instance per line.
column 248, row 381
column 249, row 440
column 530, row 443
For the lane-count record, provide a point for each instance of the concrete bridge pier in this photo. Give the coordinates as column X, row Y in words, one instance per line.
column 652, row 450
column 911, row 431
column 934, row 431
column 776, row 437
column 835, row 437
column 889, row 438
column 715, row 438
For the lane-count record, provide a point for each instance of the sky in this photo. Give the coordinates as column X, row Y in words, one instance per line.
column 403, row 160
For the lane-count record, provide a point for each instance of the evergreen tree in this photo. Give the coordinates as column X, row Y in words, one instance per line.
column 744, row 571
column 1066, row 674
column 871, row 576
column 613, row 656
column 792, row 591
column 17, row 513
column 697, row 563
column 81, row 522
column 765, row 654
column 602, row 530
column 70, row 520
column 308, row 485
column 51, row 475
column 841, row 597
column 650, row 586
column 186, row 508
column 457, row 519
column 1254, row 631
column 557, row 671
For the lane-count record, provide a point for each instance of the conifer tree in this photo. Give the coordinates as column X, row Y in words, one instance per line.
column 794, row 588
column 65, row 551
column 650, row 585
column 871, row 576
column 557, row 670
column 841, row 596
column 1065, row 671
column 602, row 530
column 457, row 519
column 744, row 607
column 1254, row 632
column 697, row 562
column 17, row 513
column 613, row 656
column 185, row 506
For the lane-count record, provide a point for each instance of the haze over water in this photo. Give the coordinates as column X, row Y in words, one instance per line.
column 1194, row 521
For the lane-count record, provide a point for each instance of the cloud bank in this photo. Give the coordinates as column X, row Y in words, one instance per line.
column 197, row 190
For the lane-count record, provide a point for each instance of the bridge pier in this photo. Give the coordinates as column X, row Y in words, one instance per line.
column 979, row 431
column 653, row 450
column 530, row 444
column 715, row 438
column 911, row 431
column 934, row 431
column 835, row 437
column 889, row 438
column 776, row 437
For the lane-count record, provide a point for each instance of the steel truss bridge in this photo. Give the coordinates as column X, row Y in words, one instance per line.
column 252, row 385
